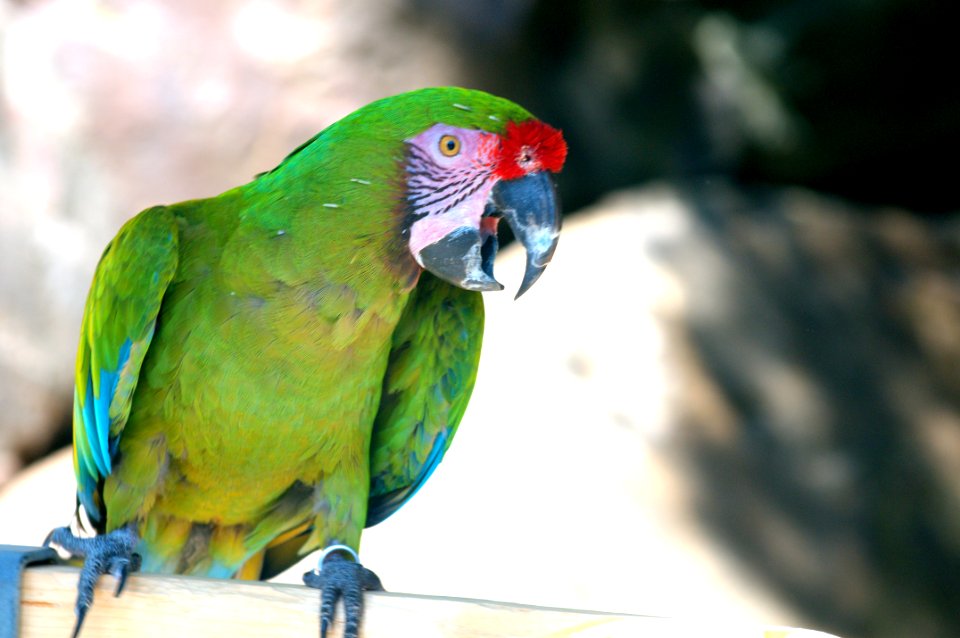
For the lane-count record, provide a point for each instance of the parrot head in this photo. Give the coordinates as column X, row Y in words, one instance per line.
column 445, row 165
column 461, row 180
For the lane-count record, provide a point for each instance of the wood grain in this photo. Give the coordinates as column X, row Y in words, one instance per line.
column 184, row 607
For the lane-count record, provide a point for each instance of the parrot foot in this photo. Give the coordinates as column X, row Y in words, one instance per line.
column 340, row 578
column 109, row 553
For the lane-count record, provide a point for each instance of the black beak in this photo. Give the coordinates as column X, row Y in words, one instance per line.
column 461, row 259
column 531, row 207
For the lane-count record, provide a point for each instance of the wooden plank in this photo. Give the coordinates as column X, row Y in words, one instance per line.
column 184, row 607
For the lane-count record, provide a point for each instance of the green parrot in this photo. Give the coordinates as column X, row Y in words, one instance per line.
column 264, row 373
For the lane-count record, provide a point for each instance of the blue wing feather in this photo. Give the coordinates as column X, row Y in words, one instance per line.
column 381, row 507
column 429, row 378
column 118, row 323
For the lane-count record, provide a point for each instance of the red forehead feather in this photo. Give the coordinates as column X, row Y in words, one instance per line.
column 530, row 146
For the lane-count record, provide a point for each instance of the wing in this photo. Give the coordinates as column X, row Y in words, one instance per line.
column 118, row 324
column 429, row 378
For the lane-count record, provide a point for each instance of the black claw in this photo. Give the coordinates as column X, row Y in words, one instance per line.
column 121, row 566
column 46, row 541
column 342, row 579
column 121, row 574
column 111, row 553
column 63, row 537
column 371, row 582
column 81, row 614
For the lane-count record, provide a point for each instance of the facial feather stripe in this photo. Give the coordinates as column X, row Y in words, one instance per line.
column 433, row 189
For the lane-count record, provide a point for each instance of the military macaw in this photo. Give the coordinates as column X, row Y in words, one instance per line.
column 264, row 373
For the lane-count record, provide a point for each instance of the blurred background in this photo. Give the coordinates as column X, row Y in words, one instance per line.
column 735, row 394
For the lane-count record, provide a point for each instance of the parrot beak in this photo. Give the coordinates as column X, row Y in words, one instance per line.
column 531, row 207
column 465, row 256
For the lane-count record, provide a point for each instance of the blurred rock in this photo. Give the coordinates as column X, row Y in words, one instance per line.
column 712, row 404
column 39, row 498
column 822, row 401
column 107, row 108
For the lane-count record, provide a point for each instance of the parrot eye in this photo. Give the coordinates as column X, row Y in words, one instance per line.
column 449, row 145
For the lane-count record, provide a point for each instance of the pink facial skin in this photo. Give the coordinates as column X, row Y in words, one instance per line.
column 448, row 192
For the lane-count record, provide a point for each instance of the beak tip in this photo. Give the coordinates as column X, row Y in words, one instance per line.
column 481, row 282
column 530, row 206
column 530, row 277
